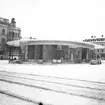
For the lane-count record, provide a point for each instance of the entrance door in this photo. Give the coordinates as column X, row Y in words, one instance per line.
column 31, row 49
column 84, row 53
column 39, row 52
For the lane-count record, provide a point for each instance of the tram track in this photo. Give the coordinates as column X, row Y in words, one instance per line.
column 18, row 77
column 75, row 90
column 21, row 97
column 63, row 78
column 18, row 97
column 57, row 80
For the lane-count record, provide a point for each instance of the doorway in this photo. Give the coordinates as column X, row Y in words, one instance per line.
column 84, row 53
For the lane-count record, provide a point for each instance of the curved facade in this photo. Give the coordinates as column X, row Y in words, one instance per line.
column 55, row 51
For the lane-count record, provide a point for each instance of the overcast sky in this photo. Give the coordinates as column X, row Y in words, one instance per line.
column 57, row 19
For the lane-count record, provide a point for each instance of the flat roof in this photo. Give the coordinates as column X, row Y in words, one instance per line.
column 22, row 42
column 56, row 42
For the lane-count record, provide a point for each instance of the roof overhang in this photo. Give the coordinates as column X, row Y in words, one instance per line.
column 73, row 44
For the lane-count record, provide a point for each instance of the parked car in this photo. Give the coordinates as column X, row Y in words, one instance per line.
column 95, row 61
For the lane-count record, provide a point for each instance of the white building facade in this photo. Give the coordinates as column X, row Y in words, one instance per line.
column 101, row 41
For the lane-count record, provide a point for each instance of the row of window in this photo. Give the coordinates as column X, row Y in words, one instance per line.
column 11, row 33
column 3, row 32
column 11, row 39
column 93, row 40
column 13, row 36
column 102, row 50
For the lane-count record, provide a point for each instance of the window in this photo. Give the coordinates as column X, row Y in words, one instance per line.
column 91, row 40
column 3, row 41
column 97, row 50
column 94, row 40
column 102, row 50
column 97, row 39
column 18, row 35
column 3, row 31
column 102, row 39
column 12, row 35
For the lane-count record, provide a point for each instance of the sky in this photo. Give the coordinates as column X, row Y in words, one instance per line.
column 56, row 19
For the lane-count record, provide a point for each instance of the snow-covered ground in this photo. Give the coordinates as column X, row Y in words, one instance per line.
column 47, row 97
column 75, row 71
column 7, row 100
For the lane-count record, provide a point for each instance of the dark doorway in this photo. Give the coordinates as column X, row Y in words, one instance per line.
column 84, row 53
column 98, row 56
column 39, row 52
column 31, row 50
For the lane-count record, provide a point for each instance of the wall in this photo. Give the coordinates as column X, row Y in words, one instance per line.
column 49, row 52
column 5, row 27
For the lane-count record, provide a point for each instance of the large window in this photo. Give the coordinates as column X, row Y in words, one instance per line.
column 102, row 50
column 9, row 36
column 3, row 31
column 97, row 50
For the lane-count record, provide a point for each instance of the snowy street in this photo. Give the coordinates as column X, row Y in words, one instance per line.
column 71, row 84
column 74, row 71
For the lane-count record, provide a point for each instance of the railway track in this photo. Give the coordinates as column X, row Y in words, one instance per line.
column 57, row 80
column 16, row 98
column 75, row 87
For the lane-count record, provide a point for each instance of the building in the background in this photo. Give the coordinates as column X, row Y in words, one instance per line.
column 8, row 32
column 101, row 41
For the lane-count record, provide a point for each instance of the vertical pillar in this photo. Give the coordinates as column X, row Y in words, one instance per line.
column 87, row 54
column 68, row 52
column 26, row 52
column 19, row 52
column 71, row 56
column 16, row 51
column 9, row 52
column 34, row 53
column 12, row 52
